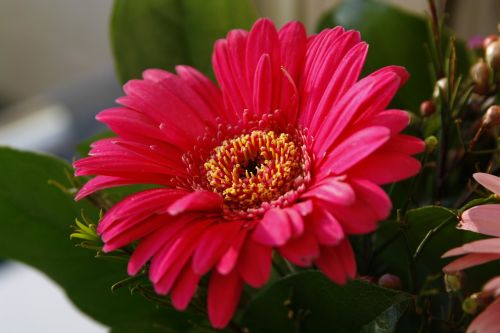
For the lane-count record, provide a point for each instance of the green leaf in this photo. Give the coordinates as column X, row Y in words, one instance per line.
column 387, row 321
column 395, row 259
column 437, row 226
column 310, row 302
column 396, row 37
column 166, row 33
column 35, row 220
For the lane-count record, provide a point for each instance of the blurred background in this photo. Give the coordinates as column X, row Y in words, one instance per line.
column 56, row 73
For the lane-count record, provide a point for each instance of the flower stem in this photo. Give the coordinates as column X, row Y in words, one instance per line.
column 433, row 232
column 412, row 270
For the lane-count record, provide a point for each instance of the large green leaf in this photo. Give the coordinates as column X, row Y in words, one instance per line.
column 35, row 219
column 309, row 302
column 166, row 33
column 419, row 223
column 396, row 37
column 429, row 232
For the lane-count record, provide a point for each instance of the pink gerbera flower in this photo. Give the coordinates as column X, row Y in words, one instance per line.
column 484, row 220
column 287, row 154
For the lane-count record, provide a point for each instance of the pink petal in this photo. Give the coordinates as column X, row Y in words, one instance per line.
column 223, row 296
column 167, row 104
column 254, row 263
column 117, row 165
column 347, row 258
column 323, row 57
column 367, row 97
column 124, row 236
column 332, row 190
column 151, row 244
column 301, row 251
column 296, row 221
column 293, row 39
column 228, row 61
column 470, row 260
column 482, row 219
column 131, row 124
column 344, row 77
column 103, row 182
column 404, row 144
column 374, row 197
column 196, row 201
column 493, row 286
column 142, row 204
column 191, row 99
column 274, row 229
column 326, row 227
column 262, row 39
column 128, row 159
column 184, row 288
column 488, row 321
column 205, row 88
column 304, row 208
column 491, row 245
column 168, row 262
column 213, row 244
column 359, row 218
column 330, row 264
column 353, row 150
column 491, row 182
column 229, row 259
column 394, row 120
column 382, row 168
column 263, row 86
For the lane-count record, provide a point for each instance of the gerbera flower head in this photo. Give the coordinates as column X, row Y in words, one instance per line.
column 484, row 220
column 286, row 154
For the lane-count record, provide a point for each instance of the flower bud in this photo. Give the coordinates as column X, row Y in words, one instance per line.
column 390, row 281
column 476, row 302
column 367, row 278
column 493, row 55
column 431, row 142
column 470, row 304
column 480, row 74
column 488, row 40
column 492, row 116
column 453, row 282
column 441, row 87
column 427, row 108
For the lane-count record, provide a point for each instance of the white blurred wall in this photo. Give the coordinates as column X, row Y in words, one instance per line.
column 46, row 42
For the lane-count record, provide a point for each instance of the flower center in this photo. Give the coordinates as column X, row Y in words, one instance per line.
column 254, row 168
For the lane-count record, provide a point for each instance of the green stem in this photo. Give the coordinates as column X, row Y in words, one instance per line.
column 486, row 151
column 412, row 270
column 433, row 232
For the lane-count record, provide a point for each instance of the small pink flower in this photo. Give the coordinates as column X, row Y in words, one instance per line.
column 484, row 220
column 286, row 155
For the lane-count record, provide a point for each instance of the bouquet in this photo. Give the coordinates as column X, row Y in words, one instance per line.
column 258, row 178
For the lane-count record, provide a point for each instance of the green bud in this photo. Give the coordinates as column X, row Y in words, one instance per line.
column 493, row 55
column 453, row 282
column 427, row 108
column 470, row 304
column 492, row 116
column 480, row 74
column 390, row 281
column 431, row 142
column 441, row 87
